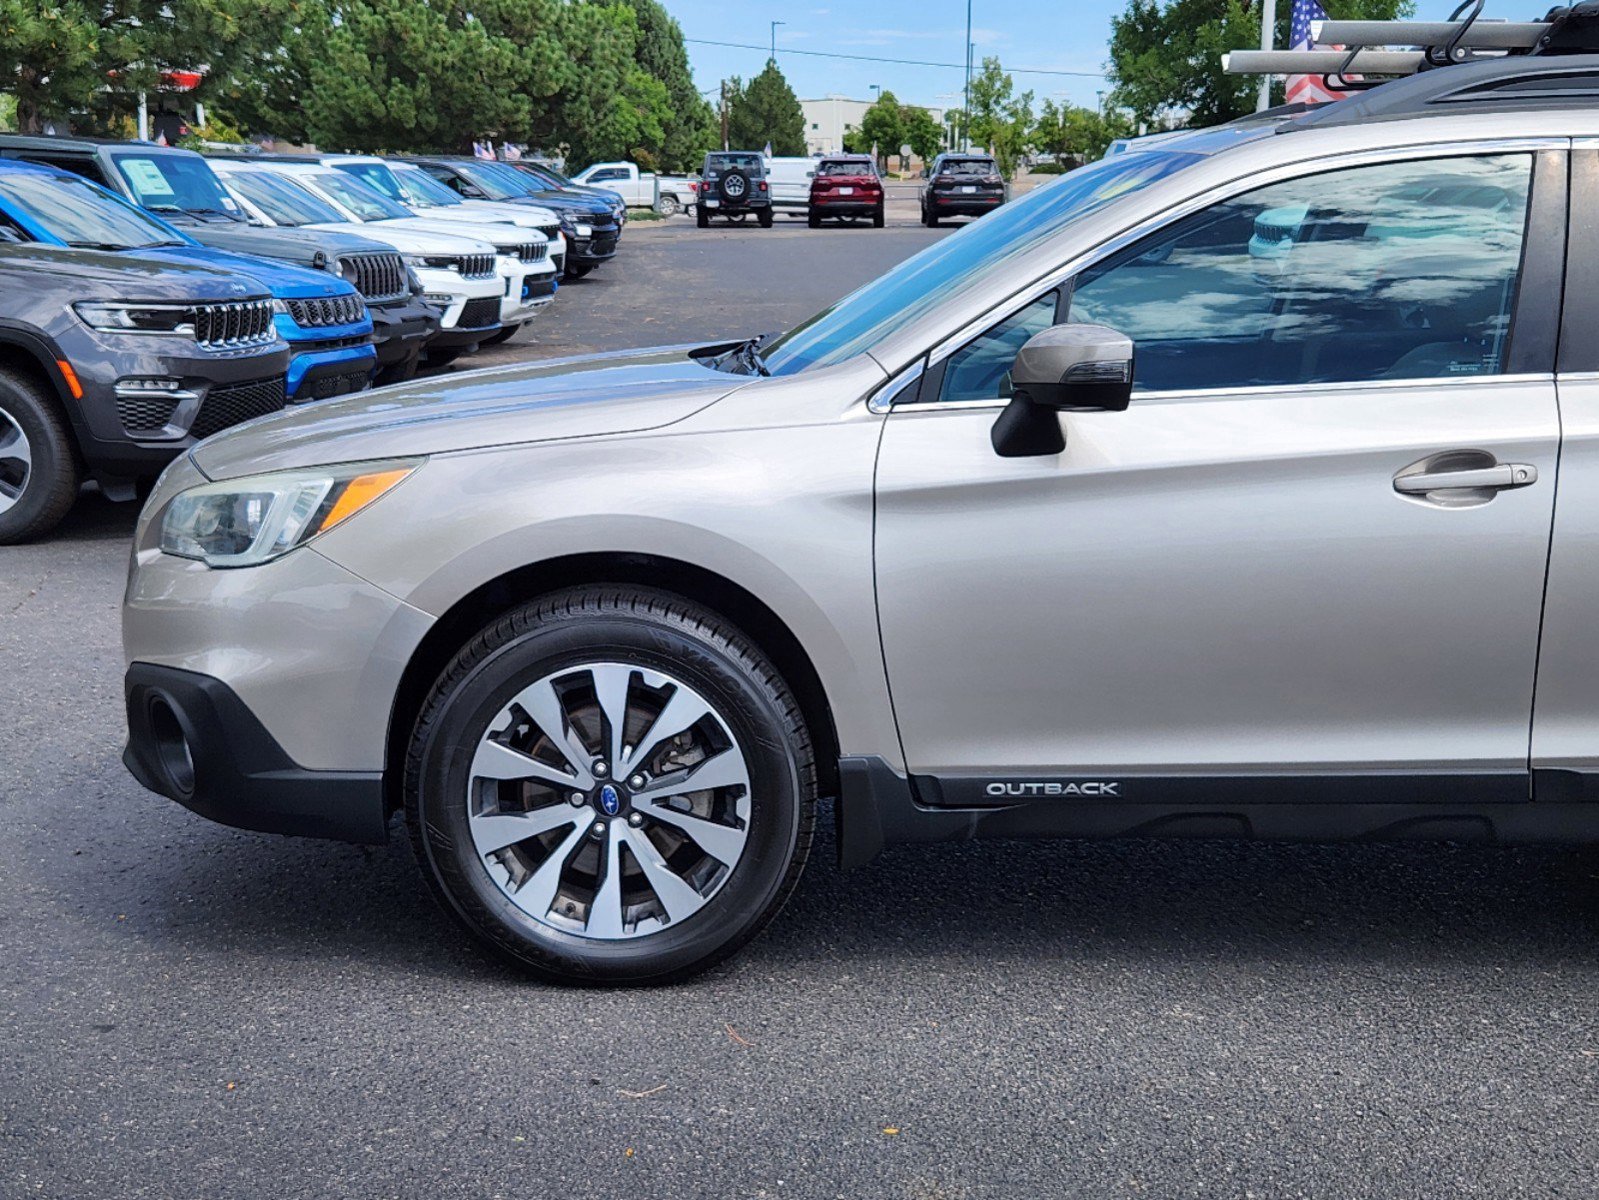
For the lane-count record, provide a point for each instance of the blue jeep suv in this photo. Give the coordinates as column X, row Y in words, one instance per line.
column 322, row 318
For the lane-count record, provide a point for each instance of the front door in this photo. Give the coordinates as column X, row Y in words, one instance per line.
column 1314, row 545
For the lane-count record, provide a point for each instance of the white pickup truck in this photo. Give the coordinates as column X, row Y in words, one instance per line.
column 638, row 188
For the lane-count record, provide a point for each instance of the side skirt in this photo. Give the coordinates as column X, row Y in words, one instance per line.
column 879, row 807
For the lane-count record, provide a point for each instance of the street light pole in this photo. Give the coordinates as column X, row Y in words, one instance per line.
column 775, row 24
column 966, row 104
column 1268, row 33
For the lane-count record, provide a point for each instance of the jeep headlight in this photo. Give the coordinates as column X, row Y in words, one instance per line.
column 435, row 262
column 253, row 520
column 137, row 318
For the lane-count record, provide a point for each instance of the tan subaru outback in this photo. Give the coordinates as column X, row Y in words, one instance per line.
column 1209, row 490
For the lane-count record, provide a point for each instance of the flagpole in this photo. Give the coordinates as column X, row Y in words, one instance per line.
column 1268, row 31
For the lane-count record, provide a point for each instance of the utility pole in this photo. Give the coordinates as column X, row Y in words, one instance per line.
column 724, row 115
column 966, row 107
column 1268, row 32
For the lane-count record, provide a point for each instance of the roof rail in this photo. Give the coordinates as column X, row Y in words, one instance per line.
column 1348, row 54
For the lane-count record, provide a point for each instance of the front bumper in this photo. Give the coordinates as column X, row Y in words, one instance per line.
column 191, row 739
column 400, row 329
column 593, row 250
column 323, row 374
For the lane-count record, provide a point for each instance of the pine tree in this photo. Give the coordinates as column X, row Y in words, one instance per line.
column 765, row 110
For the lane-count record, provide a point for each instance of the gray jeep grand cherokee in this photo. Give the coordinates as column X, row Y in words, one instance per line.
column 734, row 187
column 111, row 365
column 1210, row 490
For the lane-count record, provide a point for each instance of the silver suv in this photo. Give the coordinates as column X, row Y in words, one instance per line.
column 1208, row 490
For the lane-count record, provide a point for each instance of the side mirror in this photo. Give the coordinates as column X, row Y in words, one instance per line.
column 1065, row 368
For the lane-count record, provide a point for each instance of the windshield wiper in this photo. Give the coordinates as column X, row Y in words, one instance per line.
column 98, row 246
column 745, row 358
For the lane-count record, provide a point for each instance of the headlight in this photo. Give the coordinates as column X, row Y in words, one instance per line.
column 436, row 262
column 249, row 521
column 137, row 318
column 585, row 230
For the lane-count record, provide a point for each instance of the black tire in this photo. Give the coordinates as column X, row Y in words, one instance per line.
column 701, row 217
column 504, row 334
column 50, row 484
column 444, row 357
column 655, row 630
column 577, row 270
column 765, row 218
column 813, row 220
column 398, row 372
column 877, row 218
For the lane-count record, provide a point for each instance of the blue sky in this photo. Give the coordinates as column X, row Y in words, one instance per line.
column 1060, row 35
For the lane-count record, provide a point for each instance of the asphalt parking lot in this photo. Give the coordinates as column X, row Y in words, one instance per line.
column 191, row 1011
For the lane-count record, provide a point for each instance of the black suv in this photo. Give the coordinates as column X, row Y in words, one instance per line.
column 735, row 186
column 180, row 187
column 961, row 185
column 112, row 364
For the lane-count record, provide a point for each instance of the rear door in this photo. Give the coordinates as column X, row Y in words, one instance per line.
column 1311, row 553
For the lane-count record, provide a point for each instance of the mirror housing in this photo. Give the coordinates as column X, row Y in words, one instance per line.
column 1065, row 368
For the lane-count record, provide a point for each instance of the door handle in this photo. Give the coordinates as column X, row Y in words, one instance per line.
column 1496, row 478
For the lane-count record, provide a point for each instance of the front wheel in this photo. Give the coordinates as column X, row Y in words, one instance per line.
column 578, row 270
column 504, row 334
column 38, row 473
column 611, row 786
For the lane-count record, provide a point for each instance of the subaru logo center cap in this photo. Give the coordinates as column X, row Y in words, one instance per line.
column 610, row 800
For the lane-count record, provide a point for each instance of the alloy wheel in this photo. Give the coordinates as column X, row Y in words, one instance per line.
column 16, row 461
column 609, row 801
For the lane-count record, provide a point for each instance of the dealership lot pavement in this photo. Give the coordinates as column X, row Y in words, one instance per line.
column 190, row 1011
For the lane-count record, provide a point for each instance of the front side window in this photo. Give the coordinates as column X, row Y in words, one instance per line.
column 1395, row 271
column 980, row 370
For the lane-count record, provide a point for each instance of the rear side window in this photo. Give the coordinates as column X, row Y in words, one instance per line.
column 1396, row 271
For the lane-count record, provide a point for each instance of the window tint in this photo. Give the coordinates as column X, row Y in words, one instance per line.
column 376, row 176
column 81, row 213
column 1397, row 271
column 174, row 183
column 847, row 166
column 980, row 370
column 361, row 200
column 969, row 166
column 421, row 190
column 282, row 200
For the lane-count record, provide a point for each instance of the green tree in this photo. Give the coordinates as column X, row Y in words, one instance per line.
column 883, row 126
column 999, row 119
column 49, row 58
column 1068, row 131
column 1165, row 58
column 765, row 110
column 923, row 135
column 689, row 125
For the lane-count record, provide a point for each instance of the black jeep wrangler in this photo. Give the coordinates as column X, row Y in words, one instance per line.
column 734, row 187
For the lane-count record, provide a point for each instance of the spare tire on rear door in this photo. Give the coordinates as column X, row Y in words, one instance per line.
column 735, row 186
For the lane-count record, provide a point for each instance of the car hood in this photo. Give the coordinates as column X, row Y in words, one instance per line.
column 400, row 234
column 280, row 278
column 594, row 395
column 124, row 275
column 304, row 248
column 496, row 211
column 495, row 233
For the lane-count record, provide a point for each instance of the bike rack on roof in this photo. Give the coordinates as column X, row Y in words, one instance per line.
column 1349, row 54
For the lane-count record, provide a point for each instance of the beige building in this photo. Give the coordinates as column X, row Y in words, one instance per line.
column 827, row 119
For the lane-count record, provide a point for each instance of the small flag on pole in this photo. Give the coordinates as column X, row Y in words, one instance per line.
column 1308, row 89
column 768, row 151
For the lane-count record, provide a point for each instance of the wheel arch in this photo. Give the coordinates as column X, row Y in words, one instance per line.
column 31, row 356
column 770, row 633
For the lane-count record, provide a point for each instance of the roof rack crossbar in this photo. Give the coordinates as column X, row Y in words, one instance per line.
column 1344, row 48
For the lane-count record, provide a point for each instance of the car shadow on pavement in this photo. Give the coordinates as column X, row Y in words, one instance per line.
column 1045, row 905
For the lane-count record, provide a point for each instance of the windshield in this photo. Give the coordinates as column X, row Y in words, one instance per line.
column 544, row 173
column 495, row 185
column 982, row 249
column 376, row 176
column 175, row 183
column 282, row 200
column 354, row 195
column 81, row 213
column 421, row 190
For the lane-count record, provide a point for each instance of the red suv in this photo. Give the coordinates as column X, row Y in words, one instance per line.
column 846, row 187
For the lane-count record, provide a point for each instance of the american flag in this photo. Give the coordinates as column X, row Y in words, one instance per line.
column 1308, row 89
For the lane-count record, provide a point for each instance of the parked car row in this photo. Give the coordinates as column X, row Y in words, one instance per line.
column 738, row 184
column 162, row 296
